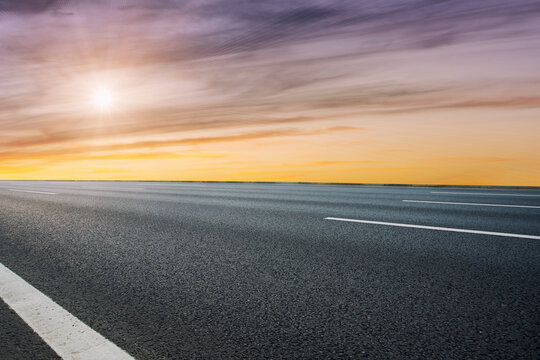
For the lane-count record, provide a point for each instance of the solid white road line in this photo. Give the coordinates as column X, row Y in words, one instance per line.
column 64, row 333
column 437, row 228
column 35, row 192
column 481, row 194
column 472, row 204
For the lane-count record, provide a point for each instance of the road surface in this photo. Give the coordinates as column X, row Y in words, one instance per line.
column 216, row 270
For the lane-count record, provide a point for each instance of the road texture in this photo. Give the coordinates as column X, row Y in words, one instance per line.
column 217, row 270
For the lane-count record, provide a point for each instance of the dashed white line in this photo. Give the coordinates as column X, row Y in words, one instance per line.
column 34, row 191
column 481, row 194
column 523, row 236
column 111, row 189
column 69, row 337
column 471, row 204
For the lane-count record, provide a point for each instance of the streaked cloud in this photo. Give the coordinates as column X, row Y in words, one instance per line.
column 72, row 151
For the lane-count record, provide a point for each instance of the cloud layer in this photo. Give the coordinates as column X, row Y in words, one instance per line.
column 189, row 71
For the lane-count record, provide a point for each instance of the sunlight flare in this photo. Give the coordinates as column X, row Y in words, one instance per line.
column 103, row 98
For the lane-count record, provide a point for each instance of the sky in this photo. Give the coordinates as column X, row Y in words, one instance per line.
column 385, row 91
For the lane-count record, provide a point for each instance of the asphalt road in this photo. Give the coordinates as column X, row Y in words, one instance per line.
column 217, row 271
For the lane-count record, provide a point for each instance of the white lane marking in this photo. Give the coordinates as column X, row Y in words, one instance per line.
column 471, row 204
column 437, row 228
column 64, row 333
column 35, row 192
column 482, row 194
column 109, row 189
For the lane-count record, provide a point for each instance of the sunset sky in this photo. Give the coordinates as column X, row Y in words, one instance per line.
column 381, row 91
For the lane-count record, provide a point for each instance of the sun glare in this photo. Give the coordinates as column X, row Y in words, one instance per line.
column 103, row 98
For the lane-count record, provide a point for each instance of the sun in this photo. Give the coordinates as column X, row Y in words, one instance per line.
column 103, row 98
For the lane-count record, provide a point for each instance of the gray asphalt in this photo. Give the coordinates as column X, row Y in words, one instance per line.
column 217, row 271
